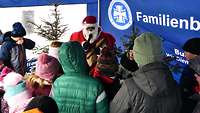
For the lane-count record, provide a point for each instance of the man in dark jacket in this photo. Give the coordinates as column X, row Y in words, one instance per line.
column 13, row 48
column 151, row 88
column 188, row 81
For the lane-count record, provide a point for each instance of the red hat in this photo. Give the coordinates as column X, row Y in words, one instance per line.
column 89, row 20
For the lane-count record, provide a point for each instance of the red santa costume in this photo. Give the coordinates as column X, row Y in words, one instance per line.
column 94, row 37
column 83, row 35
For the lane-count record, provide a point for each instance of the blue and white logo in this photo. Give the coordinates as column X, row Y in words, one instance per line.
column 119, row 14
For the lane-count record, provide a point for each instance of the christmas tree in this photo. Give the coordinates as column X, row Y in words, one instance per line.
column 127, row 41
column 51, row 30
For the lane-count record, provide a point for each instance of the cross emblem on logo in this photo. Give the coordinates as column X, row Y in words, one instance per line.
column 119, row 14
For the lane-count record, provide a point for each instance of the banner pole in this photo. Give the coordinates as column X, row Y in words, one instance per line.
column 99, row 13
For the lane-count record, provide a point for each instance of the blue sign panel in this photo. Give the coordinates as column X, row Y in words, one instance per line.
column 175, row 21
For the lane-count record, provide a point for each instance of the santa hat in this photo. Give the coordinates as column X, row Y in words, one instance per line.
column 89, row 21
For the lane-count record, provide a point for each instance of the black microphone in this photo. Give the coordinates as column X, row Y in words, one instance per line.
column 87, row 44
column 90, row 37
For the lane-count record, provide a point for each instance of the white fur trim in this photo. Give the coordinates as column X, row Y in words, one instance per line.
column 89, row 25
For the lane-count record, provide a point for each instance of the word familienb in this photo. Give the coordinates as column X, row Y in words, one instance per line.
column 165, row 20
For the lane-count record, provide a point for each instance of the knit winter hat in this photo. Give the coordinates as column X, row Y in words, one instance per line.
column 147, row 49
column 44, row 103
column 192, row 46
column 13, row 85
column 107, row 63
column 47, row 67
column 18, row 30
column 18, row 91
column 12, row 79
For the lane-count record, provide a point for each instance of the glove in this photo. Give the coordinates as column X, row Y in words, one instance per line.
column 86, row 45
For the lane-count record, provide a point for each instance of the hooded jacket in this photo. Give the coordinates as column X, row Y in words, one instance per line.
column 150, row 90
column 14, row 55
column 75, row 91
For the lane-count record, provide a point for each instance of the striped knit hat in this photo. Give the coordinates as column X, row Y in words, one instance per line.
column 107, row 62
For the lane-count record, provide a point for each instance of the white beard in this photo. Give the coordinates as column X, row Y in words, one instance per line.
column 93, row 34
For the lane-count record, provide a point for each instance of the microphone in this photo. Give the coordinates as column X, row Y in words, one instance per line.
column 90, row 37
column 87, row 44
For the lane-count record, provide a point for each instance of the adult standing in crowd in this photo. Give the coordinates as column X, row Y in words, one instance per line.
column 151, row 88
column 13, row 48
column 190, row 87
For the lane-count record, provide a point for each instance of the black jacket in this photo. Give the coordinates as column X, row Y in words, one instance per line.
column 14, row 55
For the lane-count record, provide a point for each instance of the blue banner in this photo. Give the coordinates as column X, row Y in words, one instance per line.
column 175, row 21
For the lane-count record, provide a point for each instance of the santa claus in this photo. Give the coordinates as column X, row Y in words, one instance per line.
column 92, row 38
